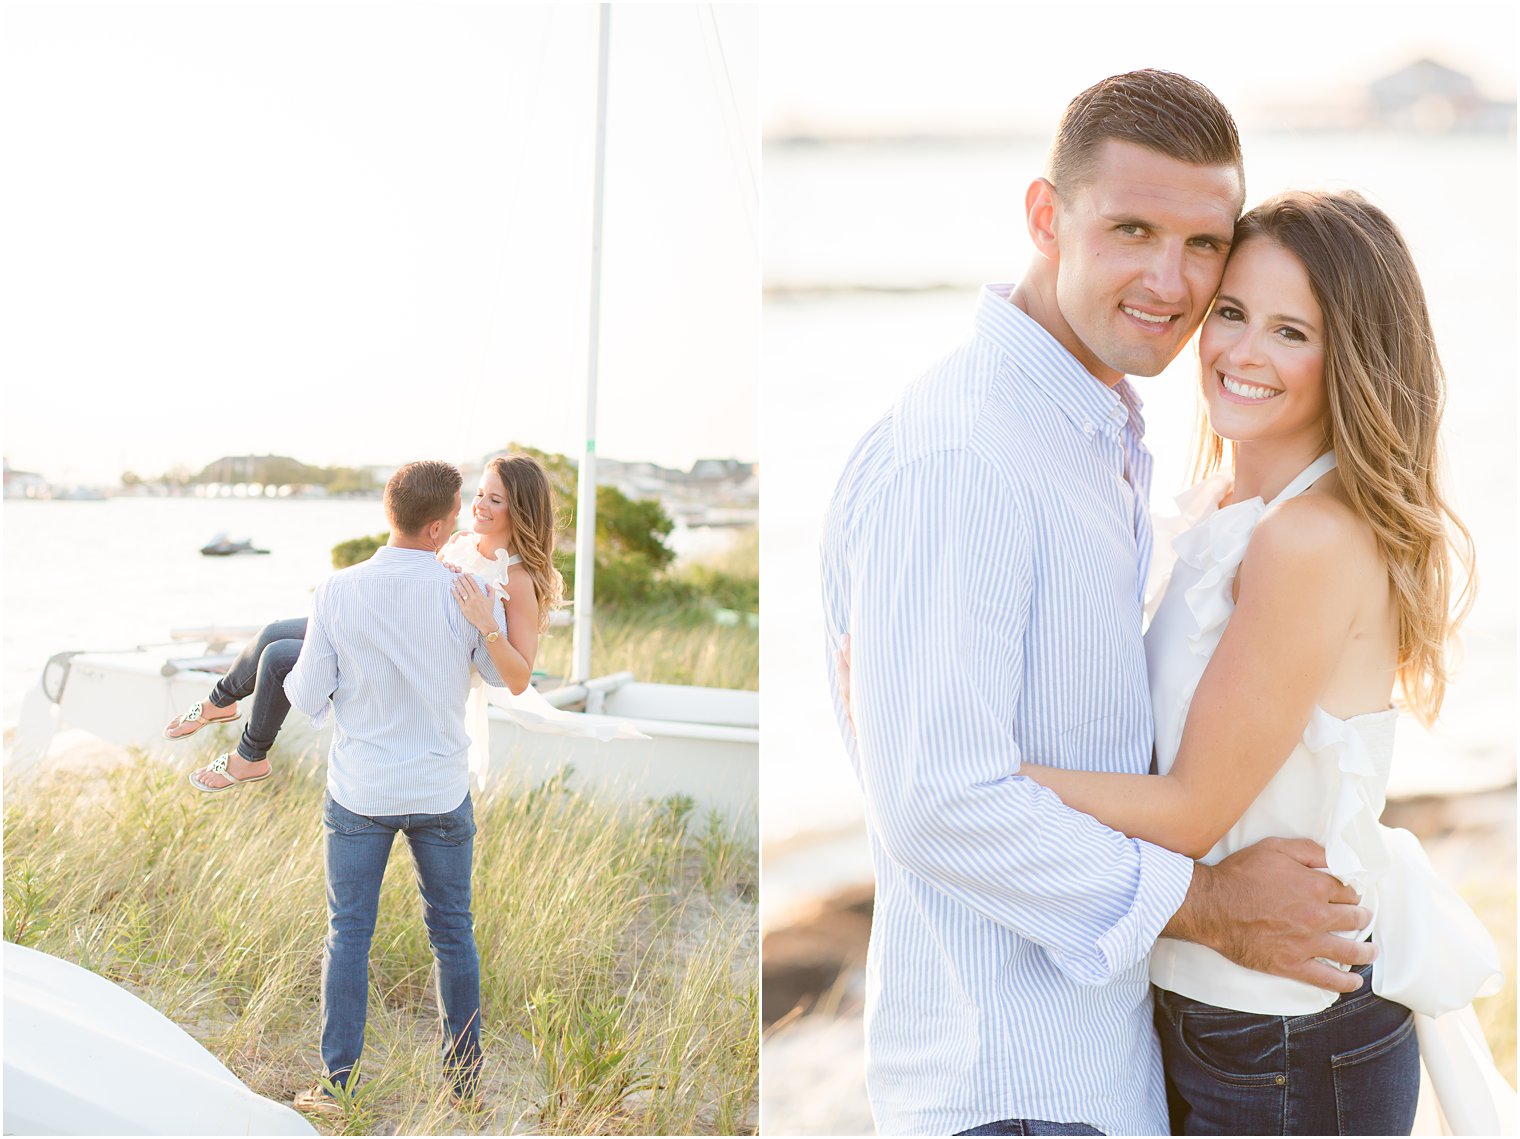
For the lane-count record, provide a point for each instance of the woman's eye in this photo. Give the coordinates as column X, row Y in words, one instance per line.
column 1291, row 334
column 1227, row 312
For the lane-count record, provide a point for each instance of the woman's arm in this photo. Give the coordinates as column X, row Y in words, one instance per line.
column 1299, row 590
column 513, row 654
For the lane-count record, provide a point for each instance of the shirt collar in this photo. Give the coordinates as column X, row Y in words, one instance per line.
column 1091, row 405
column 390, row 553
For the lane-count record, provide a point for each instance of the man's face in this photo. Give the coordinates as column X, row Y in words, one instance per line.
column 1141, row 248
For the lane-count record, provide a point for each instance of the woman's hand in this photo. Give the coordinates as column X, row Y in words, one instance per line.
column 475, row 603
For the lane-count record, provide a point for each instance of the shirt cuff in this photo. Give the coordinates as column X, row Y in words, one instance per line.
column 1164, row 879
column 318, row 717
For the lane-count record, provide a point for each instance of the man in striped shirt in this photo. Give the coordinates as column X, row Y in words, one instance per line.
column 388, row 653
column 984, row 559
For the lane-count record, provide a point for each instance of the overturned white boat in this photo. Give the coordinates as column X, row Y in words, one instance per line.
column 85, row 1057
column 612, row 737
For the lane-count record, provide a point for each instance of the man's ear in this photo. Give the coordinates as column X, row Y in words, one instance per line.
column 1040, row 217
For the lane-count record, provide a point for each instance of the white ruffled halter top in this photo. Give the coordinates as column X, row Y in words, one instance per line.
column 463, row 551
column 1434, row 954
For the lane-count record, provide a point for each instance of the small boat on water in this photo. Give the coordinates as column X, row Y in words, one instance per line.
column 613, row 737
column 222, row 546
column 85, row 1057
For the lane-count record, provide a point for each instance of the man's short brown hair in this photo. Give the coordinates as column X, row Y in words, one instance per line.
column 1160, row 110
column 420, row 493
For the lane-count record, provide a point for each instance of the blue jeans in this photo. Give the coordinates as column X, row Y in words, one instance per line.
column 261, row 669
column 358, row 847
column 1353, row 1069
column 1031, row 1127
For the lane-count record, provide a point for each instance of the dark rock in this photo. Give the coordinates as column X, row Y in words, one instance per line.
column 817, row 955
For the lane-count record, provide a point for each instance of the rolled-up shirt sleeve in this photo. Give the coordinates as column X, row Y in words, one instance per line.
column 935, row 599
column 311, row 683
column 480, row 653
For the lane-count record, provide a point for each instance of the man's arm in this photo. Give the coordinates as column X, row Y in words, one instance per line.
column 937, row 610
column 314, row 678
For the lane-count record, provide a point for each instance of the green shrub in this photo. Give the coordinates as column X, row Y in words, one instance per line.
column 356, row 550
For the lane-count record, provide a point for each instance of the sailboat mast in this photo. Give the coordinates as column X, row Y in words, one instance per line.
column 585, row 515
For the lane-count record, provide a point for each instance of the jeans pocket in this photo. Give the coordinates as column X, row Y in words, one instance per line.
column 339, row 819
column 458, row 826
column 1238, row 1048
column 1377, row 1083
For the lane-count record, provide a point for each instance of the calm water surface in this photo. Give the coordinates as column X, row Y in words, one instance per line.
column 116, row 574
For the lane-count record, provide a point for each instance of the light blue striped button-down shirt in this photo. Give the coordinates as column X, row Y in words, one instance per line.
column 985, row 553
column 390, row 647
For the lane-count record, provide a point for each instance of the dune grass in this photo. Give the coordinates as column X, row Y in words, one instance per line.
column 676, row 643
column 664, row 648
column 618, row 951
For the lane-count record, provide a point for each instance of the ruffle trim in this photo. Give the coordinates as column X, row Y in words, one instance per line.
column 1193, row 505
column 1215, row 546
column 461, row 550
column 1434, row 955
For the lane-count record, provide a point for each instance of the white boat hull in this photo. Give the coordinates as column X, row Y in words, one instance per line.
column 85, row 1057
column 702, row 743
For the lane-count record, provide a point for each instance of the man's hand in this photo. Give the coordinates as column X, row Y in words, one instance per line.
column 1266, row 908
column 842, row 666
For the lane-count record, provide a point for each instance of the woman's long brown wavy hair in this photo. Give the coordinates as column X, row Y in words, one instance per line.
column 1386, row 391
column 530, row 504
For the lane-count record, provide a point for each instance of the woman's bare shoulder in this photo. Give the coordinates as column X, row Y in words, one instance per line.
column 519, row 580
column 1318, row 535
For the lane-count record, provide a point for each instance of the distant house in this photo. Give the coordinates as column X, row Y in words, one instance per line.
column 23, row 484
column 714, row 470
column 1430, row 97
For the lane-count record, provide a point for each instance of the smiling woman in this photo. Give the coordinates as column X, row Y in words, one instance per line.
column 1262, row 349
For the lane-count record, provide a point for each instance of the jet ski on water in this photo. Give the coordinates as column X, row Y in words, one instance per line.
column 221, row 546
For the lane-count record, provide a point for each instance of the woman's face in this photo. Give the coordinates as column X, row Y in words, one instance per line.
column 492, row 521
column 1262, row 350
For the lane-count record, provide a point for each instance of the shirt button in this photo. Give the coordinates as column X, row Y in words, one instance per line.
column 1117, row 414
column 1087, row 426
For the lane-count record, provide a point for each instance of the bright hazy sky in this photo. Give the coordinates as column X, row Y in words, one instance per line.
column 360, row 233
column 904, row 66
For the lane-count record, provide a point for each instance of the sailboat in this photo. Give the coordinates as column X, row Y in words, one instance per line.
column 613, row 736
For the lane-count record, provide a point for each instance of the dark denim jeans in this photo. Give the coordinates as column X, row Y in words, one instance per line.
column 358, row 847
column 261, row 669
column 1353, row 1069
column 1031, row 1127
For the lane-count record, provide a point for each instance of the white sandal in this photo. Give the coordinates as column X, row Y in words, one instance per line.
column 218, row 766
column 197, row 716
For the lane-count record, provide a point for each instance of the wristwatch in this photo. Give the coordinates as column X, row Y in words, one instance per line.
column 493, row 636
